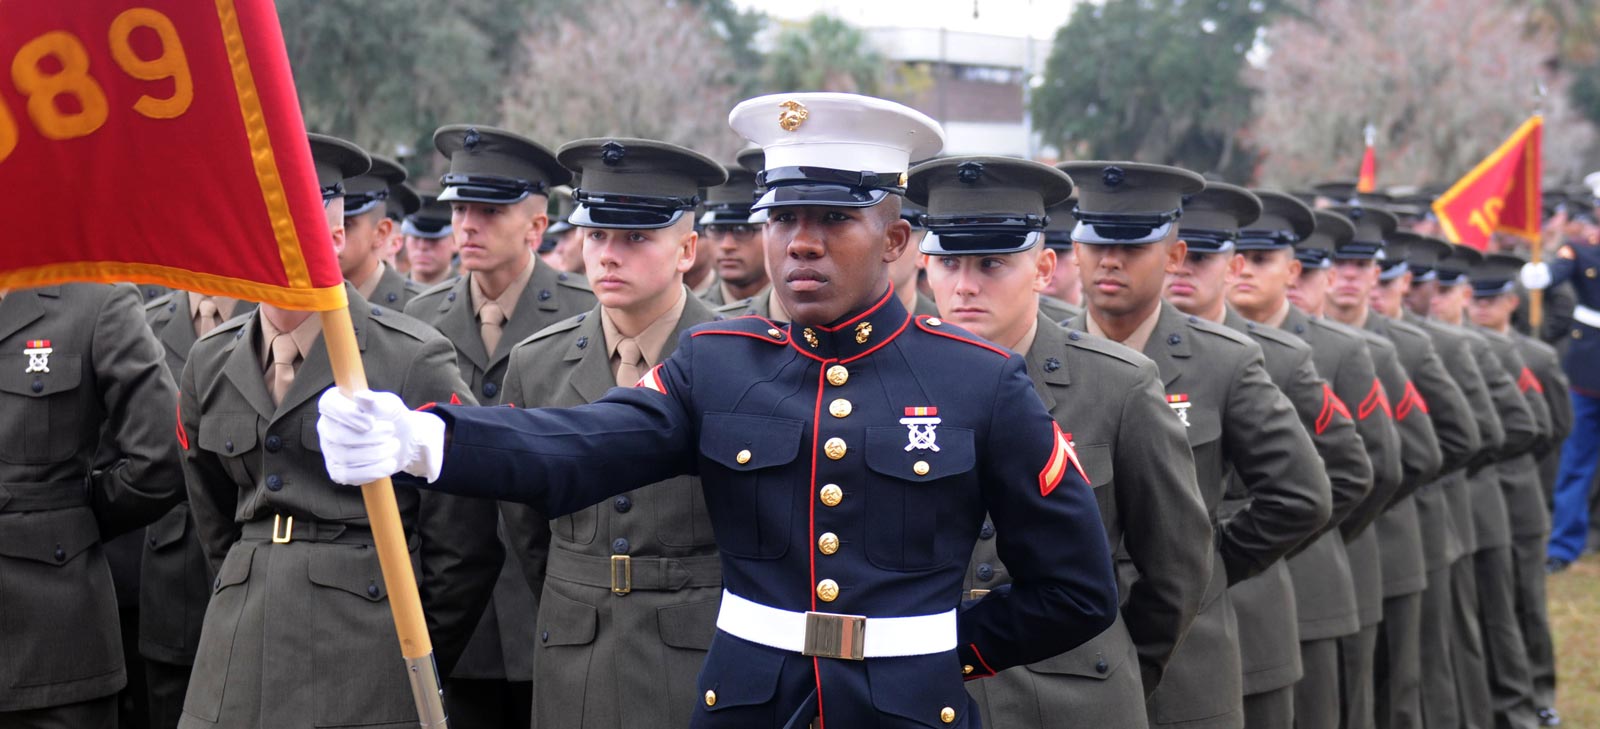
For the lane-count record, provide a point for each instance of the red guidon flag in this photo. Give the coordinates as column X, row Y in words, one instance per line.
column 158, row 141
column 1501, row 194
column 1367, row 181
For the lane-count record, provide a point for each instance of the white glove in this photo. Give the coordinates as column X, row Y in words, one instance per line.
column 375, row 435
column 1535, row 275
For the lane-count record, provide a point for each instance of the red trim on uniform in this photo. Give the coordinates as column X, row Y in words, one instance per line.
column 1375, row 400
column 752, row 335
column 1412, row 400
column 922, row 324
column 879, row 345
column 427, row 406
column 455, row 399
column 1331, row 406
column 979, row 654
column 811, row 521
column 864, row 314
column 1528, row 381
column 183, row 437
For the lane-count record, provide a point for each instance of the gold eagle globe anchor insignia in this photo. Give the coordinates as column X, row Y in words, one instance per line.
column 793, row 115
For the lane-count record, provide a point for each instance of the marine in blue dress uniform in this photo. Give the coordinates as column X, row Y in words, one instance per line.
column 847, row 458
column 1578, row 264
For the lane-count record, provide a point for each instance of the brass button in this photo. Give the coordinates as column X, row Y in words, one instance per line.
column 1589, row 272
column 743, row 457
column 840, row 408
column 947, row 715
column 828, row 543
column 827, row 590
column 966, row 670
column 775, row 334
column 933, row 322
column 835, row 448
column 838, row 375
column 711, row 698
column 831, row 495
column 920, row 468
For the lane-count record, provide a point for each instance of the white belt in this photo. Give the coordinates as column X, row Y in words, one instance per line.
column 831, row 635
column 1586, row 315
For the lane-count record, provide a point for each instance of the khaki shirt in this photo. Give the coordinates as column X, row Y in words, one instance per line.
column 652, row 341
column 508, row 298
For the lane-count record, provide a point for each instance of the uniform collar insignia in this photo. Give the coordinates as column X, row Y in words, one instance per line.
column 856, row 336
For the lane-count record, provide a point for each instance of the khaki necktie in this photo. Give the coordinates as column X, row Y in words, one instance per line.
column 207, row 318
column 490, row 319
column 284, row 354
column 631, row 362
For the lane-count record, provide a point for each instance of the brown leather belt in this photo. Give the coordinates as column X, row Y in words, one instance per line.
column 16, row 496
column 623, row 574
column 282, row 529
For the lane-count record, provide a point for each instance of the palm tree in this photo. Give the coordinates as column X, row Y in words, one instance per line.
column 825, row 54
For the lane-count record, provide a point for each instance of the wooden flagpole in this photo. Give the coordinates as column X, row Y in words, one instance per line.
column 388, row 534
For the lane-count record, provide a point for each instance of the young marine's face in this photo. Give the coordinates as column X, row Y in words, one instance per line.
column 1123, row 279
column 993, row 296
column 363, row 238
column 740, row 255
column 1493, row 312
column 634, row 268
column 1310, row 290
column 1065, row 284
column 492, row 237
column 1264, row 279
column 1389, row 297
column 828, row 261
column 430, row 257
column 1200, row 282
column 1353, row 281
column 1450, row 302
column 1420, row 295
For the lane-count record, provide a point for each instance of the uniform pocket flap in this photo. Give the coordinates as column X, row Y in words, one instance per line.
column 51, row 537
column 888, row 453
column 689, row 626
column 230, row 435
column 749, row 442
column 1096, row 460
column 918, row 688
column 351, row 569
column 1097, row 659
column 740, row 673
column 235, row 567
column 65, row 373
column 169, row 529
column 1205, row 425
column 564, row 621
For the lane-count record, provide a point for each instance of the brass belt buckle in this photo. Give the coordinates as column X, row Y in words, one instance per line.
column 621, row 574
column 830, row 635
column 287, row 532
column 976, row 594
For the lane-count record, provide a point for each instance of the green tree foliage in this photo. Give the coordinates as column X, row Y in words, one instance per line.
column 824, row 54
column 1153, row 80
column 385, row 74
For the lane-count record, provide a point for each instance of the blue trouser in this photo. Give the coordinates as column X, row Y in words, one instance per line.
column 1569, row 526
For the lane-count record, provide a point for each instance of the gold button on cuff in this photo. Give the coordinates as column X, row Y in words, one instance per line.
column 827, row 590
column 947, row 715
column 838, row 375
column 831, row 495
column 934, row 321
column 828, row 543
column 920, row 468
column 835, row 448
column 966, row 670
column 711, row 698
column 840, row 408
column 743, row 457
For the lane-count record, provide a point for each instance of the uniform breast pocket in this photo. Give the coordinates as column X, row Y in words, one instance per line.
column 911, row 492
column 230, row 438
column 44, row 413
column 750, row 488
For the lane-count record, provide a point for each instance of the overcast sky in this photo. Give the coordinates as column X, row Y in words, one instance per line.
column 1039, row 18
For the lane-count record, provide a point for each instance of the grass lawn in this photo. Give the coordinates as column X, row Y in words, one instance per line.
column 1575, row 620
